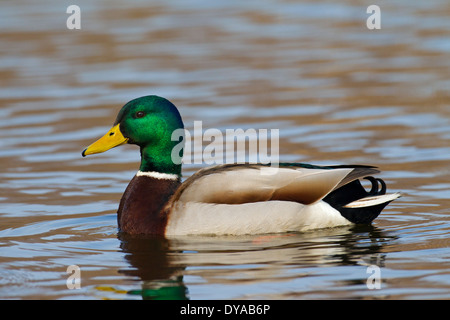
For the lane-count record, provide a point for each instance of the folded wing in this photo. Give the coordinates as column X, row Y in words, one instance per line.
column 238, row 184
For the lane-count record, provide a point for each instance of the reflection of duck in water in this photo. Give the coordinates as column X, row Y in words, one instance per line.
column 149, row 261
column 229, row 199
column 160, row 264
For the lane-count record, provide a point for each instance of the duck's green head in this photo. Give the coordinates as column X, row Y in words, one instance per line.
column 148, row 122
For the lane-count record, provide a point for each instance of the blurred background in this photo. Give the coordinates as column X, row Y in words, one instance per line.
column 338, row 92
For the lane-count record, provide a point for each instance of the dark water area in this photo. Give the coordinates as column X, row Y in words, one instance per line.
column 338, row 92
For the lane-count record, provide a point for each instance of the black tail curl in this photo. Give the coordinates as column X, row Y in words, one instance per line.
column 374, row 190
column 354, row 191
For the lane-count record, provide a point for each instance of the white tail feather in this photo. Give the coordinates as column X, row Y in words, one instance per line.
column 373, row 201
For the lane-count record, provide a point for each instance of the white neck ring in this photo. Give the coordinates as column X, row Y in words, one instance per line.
column 158, row 175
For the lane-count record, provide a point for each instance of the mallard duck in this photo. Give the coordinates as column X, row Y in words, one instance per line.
column 229, row 199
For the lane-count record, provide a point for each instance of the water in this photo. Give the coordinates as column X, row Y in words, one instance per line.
column 338, row 92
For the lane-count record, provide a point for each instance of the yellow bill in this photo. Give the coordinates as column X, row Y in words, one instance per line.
column 110, row 140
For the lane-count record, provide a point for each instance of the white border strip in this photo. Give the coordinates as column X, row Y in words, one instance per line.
column 157, row 175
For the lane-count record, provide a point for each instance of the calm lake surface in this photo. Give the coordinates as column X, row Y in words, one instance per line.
column 338, row 92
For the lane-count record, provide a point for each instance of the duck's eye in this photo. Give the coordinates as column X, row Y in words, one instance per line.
column 140, row 114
